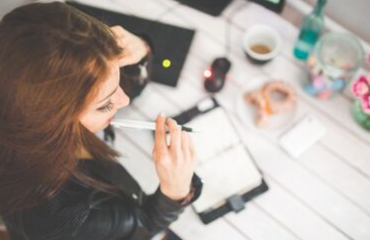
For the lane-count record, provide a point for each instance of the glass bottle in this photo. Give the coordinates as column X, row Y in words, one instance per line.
column 310, row 32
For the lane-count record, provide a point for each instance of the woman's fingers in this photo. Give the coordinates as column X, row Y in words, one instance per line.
column 175, row 163
column 185, row 144
column 192, row 148
column 134, row 48
column 160, row 134
column 175, row 135
column 119, row 33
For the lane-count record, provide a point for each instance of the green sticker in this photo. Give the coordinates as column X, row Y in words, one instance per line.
column 166, row 63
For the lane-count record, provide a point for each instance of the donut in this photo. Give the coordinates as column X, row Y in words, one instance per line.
column 265, row 103
column 255, row 98
column 289, row 96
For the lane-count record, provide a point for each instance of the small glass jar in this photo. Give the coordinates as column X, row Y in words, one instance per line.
column 334, row 60
column 360, row 116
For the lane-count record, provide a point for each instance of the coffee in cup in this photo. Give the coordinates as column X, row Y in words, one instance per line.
column 261, row 43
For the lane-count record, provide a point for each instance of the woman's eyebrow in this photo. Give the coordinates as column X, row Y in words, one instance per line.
column 108, row 95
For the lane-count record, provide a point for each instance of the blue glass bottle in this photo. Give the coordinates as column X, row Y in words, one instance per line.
column 310, row 32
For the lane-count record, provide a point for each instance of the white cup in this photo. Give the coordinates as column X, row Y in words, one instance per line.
column 263, row 36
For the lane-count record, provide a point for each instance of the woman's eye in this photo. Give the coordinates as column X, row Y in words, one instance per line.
column 107, row 108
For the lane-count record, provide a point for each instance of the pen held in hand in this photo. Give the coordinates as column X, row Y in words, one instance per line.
column 125, row 123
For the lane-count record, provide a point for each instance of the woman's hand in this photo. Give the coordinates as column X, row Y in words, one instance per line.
column 134, row 48
column 175, row 163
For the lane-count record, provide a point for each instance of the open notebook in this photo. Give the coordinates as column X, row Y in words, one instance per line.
column 225, row 164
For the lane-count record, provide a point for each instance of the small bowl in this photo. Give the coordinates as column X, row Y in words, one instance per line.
column 261, row 43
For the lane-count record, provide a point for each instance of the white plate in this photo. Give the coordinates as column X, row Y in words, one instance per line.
column 248, row 112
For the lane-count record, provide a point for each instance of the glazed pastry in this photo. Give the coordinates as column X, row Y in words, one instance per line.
column 257, row 99
column 288, row 92
column 265, row 103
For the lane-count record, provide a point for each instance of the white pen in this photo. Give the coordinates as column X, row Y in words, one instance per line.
column 126, row 123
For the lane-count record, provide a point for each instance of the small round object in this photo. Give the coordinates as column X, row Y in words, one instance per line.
column 166, row 63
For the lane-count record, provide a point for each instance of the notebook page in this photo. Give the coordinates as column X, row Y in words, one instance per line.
column 230, row 173
column 224, row 163
column 217, row 134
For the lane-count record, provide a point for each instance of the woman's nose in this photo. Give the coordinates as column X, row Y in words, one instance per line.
column 122, row 99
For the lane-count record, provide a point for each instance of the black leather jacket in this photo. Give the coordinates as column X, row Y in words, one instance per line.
column 81, row 212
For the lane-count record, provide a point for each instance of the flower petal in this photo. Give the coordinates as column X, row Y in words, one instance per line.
column 360, row 87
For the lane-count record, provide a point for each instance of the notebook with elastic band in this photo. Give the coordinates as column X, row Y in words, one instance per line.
column 229, row 173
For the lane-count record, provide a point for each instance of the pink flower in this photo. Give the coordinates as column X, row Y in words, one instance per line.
column 365, row 103
column 360, row 87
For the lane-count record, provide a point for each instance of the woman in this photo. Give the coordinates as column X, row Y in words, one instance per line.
column 59, row 78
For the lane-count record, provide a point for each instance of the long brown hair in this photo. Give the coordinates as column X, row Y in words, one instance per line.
column 52, row 60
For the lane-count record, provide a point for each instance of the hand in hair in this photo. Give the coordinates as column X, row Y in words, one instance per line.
column 134, row 48
column 175, row 163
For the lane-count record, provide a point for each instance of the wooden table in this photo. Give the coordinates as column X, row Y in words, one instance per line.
column 324, row 194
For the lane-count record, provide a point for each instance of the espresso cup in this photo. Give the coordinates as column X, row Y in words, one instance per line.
column 261, row 43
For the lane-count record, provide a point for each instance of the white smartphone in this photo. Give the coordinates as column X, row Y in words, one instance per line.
column 302, row 136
